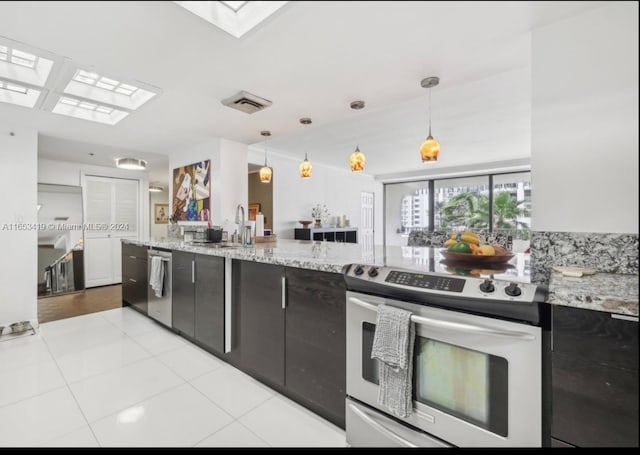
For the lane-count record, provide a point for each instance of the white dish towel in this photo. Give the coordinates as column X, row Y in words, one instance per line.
column 393, row 347
column 156, row 276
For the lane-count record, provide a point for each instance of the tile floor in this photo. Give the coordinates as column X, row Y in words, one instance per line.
column 118, row 379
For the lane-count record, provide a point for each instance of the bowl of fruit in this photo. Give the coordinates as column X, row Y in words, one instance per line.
column 465, row 247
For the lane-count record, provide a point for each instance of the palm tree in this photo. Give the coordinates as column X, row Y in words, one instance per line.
column 506, row 210
column 470, row 210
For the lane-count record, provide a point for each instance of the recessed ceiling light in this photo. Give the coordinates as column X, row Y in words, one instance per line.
column 131, row 164
column 155, row 188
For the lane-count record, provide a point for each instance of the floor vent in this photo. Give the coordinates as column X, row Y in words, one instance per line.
column 246, row 102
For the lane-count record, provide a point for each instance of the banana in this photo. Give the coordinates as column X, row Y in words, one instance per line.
column 450, row 242
column 471, row 239
column 466, row 236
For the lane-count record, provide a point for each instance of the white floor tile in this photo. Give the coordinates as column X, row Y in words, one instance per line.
column 27, row 381
column 132, row 323
column 189, row 361
column 159, row 341
column 83, row 338
column 79, row 438
column 64, row 326
column 282, row 423
column 233, row 435
column 109, row 392
column 232, row 390
column 24, row 351
column 179, row 417
column 40, row 419
column 99, row 359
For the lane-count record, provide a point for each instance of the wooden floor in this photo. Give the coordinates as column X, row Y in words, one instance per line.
column 70, row 305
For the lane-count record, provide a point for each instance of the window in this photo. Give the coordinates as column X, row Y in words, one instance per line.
column 406, row 209
column 512, row 205
column 87, row 110
column 461, row 203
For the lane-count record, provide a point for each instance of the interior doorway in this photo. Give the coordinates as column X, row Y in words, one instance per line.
column 260, row 197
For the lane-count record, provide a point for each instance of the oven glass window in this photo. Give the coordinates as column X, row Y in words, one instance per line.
column 467, row 384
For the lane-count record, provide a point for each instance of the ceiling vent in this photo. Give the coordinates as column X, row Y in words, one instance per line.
column 246, row 102
column 61, row 218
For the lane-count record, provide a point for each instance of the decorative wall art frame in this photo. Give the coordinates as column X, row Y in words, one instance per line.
column 192, row 192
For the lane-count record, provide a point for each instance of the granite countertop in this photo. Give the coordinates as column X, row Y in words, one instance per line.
column 614, row 293
column 610, row 292
column 333, row 256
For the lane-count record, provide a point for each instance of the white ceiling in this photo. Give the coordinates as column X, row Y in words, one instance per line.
column 311, row 59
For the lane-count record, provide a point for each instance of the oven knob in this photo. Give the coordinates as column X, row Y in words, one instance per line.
column 358, row 270
column 487, row 286
column 373, row 272
column 513, row 290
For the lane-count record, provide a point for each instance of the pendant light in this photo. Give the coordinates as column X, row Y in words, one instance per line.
column 305, row 166
column 265, row 171
column 357, row 158
column 430, row 148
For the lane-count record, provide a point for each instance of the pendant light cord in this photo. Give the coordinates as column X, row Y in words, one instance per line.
column 429, row 111
column 265, row 152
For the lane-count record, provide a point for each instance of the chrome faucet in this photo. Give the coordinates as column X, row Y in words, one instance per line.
column 240, row 222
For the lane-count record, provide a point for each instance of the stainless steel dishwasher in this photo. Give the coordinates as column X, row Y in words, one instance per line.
column 160, row 307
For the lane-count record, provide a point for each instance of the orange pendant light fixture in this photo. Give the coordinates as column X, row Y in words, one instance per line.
column 430, row 148
column 305, row 166
column 357, row 158
column 265, row 171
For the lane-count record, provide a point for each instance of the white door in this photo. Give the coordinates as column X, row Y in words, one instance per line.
column 366, row 221
column 112, row 213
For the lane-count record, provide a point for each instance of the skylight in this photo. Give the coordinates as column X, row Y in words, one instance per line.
column 18, row 57
column 235, row 6
column 104, row 83
column 235, row 18
column 106, row 90
column 87, row 110
column 13, row 93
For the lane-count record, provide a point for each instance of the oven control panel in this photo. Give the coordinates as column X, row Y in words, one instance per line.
column 425, row 281
column 375, row 278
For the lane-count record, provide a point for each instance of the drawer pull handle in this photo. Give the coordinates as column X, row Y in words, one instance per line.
column 624, row 317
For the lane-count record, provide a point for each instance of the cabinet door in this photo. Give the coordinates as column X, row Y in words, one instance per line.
column 315, row 341
column 259, row 318
column 183, row 305
column 595, row 378
column 209, row 301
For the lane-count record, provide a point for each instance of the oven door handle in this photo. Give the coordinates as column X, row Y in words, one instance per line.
column 380, row 427
column 459, row 326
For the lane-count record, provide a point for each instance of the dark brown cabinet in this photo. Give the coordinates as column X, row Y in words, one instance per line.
column 315, row 341
column 134, row 276
column 289, row 327
column 594, row 378
column 183, row 293
column 259, row 319
column 198, row 298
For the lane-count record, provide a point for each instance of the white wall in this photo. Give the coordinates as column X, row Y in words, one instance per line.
column 294, row 197
column 584, row 154
column 229, row 185
column 18, row 186
column 157, row 231
column 69, row 173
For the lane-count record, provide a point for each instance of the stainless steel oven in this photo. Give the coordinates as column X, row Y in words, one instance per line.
column 480, row 360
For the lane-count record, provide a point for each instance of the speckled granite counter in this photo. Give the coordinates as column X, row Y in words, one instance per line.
column 614, row 293
column 304, row 254
column 332, row 257
column 610, row 292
